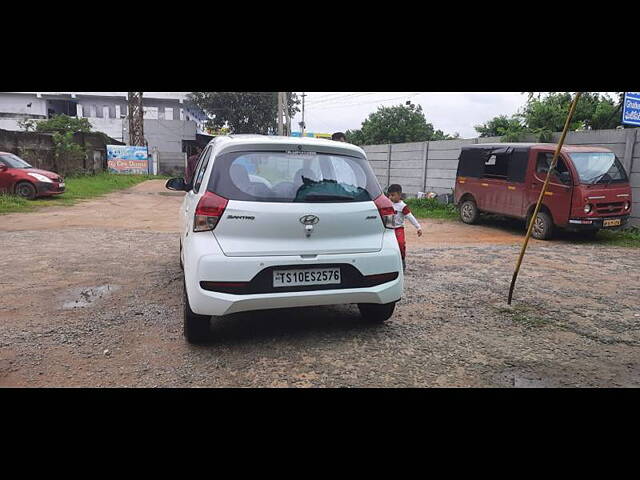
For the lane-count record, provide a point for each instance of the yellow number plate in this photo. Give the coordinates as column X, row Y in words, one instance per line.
column 611, row 223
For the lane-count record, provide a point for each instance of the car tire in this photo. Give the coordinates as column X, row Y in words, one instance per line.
column 376, row 312
column 543, row 227
column 469, row 212
column 26, row 190
column 196, row 327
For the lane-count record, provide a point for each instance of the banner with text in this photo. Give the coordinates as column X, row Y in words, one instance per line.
column 127, row 159
column 631, row 110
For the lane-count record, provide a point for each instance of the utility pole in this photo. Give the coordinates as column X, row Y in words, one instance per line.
column 136, row 119
column 302, row 124
column 286, row 113
column 280, row 111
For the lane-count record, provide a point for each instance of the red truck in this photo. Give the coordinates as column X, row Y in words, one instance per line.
column 589, row 189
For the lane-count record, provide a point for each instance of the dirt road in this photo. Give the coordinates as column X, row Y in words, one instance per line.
column 90, row 295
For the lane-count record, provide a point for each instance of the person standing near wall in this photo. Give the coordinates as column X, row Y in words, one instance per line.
column 339, row 137
column 192, row 161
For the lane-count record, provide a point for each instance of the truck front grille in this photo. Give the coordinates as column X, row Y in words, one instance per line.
column 610, row 208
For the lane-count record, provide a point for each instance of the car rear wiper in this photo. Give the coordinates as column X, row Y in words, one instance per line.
column 327, row 197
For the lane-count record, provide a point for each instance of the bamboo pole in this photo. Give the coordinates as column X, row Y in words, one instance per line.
column 542, row 193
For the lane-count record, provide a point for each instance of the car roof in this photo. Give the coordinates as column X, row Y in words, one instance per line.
column 239, row 142
column 552, row 146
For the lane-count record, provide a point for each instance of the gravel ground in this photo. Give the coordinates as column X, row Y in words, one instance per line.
column 91, row 296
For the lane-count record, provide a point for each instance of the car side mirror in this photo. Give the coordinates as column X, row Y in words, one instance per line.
column 176, row 184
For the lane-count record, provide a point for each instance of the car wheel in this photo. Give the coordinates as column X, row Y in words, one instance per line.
column 375, row 312
column 196, row 327
column 543, row 226
column 469, row 212
column 26, row 190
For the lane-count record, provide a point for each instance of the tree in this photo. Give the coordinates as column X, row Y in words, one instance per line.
column 397, row 124
column 501, row 126
column 543, row 115
column 63, row 127
column 355, row 136
column 243, row 112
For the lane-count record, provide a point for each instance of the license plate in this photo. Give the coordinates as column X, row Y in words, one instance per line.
column 317, row 276
column 612, row 222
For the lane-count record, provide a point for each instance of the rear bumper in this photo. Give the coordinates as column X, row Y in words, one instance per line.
column 214, row 266
column 581, row 224
column 217, row 304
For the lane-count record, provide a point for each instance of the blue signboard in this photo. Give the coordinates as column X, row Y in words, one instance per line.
column 631, row 108
column 127, row 159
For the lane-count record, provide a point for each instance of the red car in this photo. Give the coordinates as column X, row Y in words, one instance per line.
column 20, row 178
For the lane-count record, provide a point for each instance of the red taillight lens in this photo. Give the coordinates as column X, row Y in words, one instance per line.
column 225, row 287
column 385, row 207
column 208, row 212
column 378, row 279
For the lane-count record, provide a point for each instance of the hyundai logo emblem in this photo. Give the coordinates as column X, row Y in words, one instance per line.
column 309, row 220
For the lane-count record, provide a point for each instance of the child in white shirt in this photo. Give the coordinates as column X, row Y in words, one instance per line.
column 402, row 211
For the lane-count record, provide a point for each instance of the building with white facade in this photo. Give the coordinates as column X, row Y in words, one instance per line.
column 167, row 112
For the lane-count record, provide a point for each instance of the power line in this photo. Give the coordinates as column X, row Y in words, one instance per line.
column 327, row 107
column 339, row 99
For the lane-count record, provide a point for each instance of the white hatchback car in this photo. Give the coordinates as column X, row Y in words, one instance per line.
column 277, row 222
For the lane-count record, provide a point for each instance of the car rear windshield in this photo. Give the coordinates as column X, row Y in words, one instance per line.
column 293, row 177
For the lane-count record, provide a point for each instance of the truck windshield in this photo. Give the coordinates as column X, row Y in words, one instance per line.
column 598, row 167
column 13, row 161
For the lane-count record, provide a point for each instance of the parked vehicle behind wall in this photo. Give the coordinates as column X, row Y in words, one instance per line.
column 589, row 189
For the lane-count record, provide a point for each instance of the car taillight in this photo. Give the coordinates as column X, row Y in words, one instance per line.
column 387, row 212
column 225, row 287
column 378, row 279
column 208, row 212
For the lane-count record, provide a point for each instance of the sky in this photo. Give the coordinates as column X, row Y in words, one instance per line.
column 328, row 112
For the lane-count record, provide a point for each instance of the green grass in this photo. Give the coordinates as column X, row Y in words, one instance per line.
column 431, row 208
column 629, row 237
column 77, row 188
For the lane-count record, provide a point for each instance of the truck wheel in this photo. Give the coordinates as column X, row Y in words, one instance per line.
column 26, row 190
column 376, row 312
column 469, row 212
column 543, row 226
column 196, row 327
